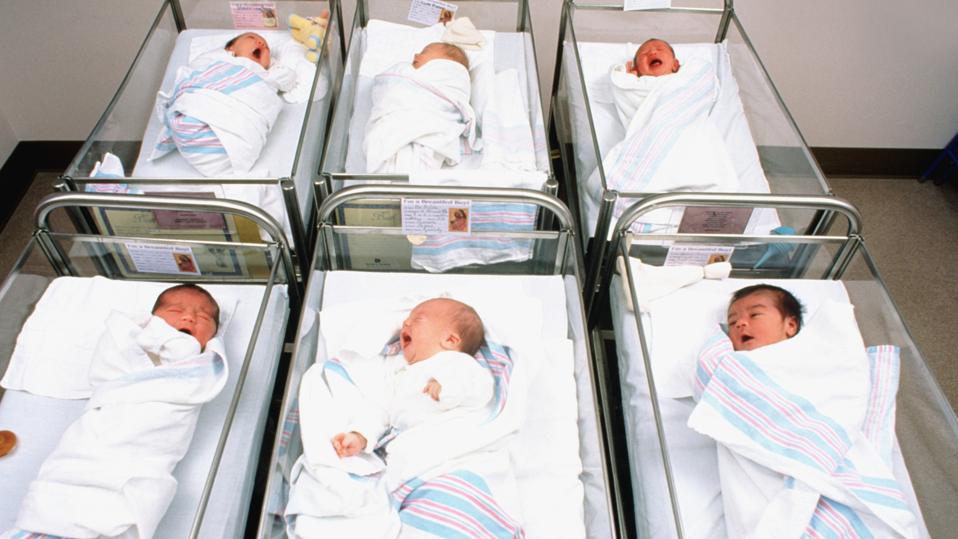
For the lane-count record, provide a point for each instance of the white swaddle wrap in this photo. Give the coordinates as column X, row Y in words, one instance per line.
column 432, row 453
column 419, row 117
column 111, row 473
column 670, row 144
column 804, row 431
column 220, row 112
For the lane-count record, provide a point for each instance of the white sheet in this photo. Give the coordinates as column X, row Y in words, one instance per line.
column 675, row 330
column 277, row 157
column 546, row 452
column 388, row 43
column 728, row 115
column 39, row 421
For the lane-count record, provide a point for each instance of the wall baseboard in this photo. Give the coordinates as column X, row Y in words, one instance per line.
column 27, row 159
column 874, row 162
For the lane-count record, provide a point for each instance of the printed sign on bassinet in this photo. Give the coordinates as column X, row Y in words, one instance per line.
column 254, row 14
column 632, row 5
column 431, row 11
column 429, row 216
column 158, row 258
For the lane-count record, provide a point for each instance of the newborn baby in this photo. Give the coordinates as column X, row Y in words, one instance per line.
column 189, row 309
column 421, row 116
column 761, row 315
column 223, row 106
column 437, row 372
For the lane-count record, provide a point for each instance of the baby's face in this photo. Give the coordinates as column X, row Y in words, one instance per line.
column 655, row 58
column 425, row 332
column 428, row 53
column 252, row 45
column 189, row 312
column 755, row 321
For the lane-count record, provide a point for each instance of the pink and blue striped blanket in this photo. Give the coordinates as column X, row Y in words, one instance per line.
column 805, row 442
column 218, row 115
column 448, row 478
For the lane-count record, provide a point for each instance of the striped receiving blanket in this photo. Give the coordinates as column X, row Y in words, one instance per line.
column 804, row 448
column 218, row 115
column 669, row 144
column 448, row 477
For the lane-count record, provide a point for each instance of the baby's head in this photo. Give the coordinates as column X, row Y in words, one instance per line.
column 762, row 314
column 437, row 325
column 250, row 45
column 439, row 50
column 654, row 58
column 189, row 309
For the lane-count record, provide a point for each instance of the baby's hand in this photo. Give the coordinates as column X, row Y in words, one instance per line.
column 630, row 68
column 348, row 444
column 432, row 388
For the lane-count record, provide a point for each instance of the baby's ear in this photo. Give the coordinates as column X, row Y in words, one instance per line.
column 452, row 341
column 677, row 65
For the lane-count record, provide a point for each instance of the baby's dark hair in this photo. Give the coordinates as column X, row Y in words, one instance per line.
column 192, row 288
column 454, row 53
column 232, row 41
column 787, row 303
column 468, row 325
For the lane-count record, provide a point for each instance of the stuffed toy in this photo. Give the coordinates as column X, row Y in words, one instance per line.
column 310, row 32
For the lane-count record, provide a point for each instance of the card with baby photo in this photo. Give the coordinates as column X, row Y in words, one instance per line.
column 430, row 12
column 254, row 14
column 427, row 217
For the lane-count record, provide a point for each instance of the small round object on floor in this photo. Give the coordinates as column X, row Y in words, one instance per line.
column 8, row 440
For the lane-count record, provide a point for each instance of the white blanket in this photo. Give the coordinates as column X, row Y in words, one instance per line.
column 111, row 473
column 804, row 428
column 219, row 114
column 419, row 116
column 669, row 144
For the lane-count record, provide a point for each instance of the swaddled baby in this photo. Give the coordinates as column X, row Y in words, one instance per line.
column 652, row 65
column 421, row 117
column 436, row 373
column 111, row 473
column 223, row 106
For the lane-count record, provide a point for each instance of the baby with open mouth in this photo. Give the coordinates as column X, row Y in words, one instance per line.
column 653, row 58
column 252, row 46
column 189, row 309
column 761, row 315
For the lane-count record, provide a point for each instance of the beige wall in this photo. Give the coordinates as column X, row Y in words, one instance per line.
column 856, row 73
column 63, row 61
column 8, row 140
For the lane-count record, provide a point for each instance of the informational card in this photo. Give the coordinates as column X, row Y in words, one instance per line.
column 159, row 258
column 436, row 216
column 254, row 14
column 431, row 11
column 714, row 220
column 697, row 255
column 634, row 5
column 188, row 220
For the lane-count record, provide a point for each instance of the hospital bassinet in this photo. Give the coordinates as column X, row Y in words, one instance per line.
column 575, row 495
column 672, row 469
column 381, row 36
column 763, row 143
column 289, row 163
column 73, row 280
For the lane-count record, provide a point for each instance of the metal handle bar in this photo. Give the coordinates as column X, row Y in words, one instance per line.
column 148, row 202
column 481, row 194
column 749, row 200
